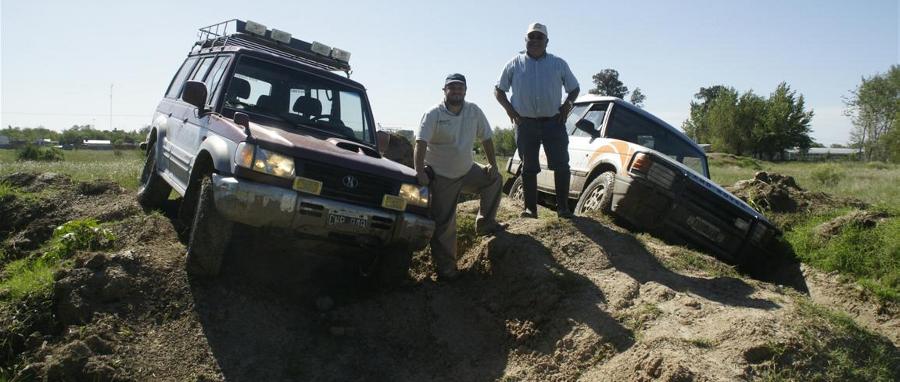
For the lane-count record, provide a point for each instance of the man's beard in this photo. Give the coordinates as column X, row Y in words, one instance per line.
column 454, row 101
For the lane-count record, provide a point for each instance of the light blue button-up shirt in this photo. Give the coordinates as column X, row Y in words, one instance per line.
column 536, row 83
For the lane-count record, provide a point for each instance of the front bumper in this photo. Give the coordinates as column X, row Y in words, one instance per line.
column 674, row 215
column 263, row 205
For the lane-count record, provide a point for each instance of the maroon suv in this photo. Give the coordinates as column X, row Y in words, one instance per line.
column 258, row 128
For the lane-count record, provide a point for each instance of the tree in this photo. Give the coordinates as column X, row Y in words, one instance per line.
column 873, row 107
column 638, row 97
column 504, row 141
column 607, row 83
column 747, row 123
column 696, row 127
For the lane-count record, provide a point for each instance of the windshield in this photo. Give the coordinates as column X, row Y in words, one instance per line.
column 298, row 98
column 630, row 126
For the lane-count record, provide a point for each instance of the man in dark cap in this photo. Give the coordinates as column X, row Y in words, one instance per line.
column 444, row 162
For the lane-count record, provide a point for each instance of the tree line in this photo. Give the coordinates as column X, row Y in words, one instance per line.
column 74, row 136
column 750, row 124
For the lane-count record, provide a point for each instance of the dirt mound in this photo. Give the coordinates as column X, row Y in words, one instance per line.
column 780, row 193
column 856, row 218
column 399, row 149
column 546, row 300
column 44, row 201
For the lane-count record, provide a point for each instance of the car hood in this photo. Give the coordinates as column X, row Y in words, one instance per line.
column 309, row 145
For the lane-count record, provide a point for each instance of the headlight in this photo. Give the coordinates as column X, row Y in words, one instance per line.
column 262, row 160
column 414, row 194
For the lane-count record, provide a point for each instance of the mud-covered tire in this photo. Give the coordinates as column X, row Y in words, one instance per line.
column 393, row 267
column 517, row 191
column 152, row 188
column 209, row 236
column 597, row 196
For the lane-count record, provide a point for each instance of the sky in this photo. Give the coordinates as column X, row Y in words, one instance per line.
column 108, row 63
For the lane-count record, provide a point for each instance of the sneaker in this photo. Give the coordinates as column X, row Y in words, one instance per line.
column 565, row 214
column 491, row 229
column 528, row 214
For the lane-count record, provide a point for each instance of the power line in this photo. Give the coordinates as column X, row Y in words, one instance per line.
column 75, row 114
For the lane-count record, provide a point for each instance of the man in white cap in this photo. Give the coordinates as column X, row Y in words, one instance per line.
column 539, row 114
column 444, row 162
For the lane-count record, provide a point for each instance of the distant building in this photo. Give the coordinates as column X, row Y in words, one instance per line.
column 822, row 153
column 4, row 142
column 45, row 142
column 97, row 144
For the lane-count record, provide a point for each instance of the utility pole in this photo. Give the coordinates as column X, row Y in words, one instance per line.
column 110, row 106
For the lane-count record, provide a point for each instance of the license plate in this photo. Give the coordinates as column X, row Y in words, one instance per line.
column 393, row 202
column 309, row 186
column 704, row 228
column 342, row 220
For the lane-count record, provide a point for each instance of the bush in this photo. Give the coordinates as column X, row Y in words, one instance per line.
column 43, row 154
column 828, row 175
column 876, row 165
column 78, row 235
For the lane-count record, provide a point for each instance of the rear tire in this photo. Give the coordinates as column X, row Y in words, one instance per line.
column 153, row 191
column 597, row 196
column 210, row 234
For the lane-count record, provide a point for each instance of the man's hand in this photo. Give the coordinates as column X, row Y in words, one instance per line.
column 492, row 171
column 422, row 177
column 564, row 111
column 514, row 116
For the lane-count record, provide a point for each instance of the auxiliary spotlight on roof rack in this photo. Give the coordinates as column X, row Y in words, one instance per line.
column 256, row 36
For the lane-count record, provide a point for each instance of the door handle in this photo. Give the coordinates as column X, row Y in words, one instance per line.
column 185, row 120
column 170, row 114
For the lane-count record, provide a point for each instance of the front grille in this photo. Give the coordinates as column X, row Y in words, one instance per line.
column 715, row 204
column 370, row 189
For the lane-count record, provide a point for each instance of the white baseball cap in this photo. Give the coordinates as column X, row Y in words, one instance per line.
column 537, row 27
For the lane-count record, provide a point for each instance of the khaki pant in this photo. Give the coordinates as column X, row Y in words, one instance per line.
column 444, row 194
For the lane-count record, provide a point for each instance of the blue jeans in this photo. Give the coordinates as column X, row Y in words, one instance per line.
column 530, row 134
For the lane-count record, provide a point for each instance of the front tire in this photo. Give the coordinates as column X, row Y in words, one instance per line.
column 210, row 234
column 597, row 196
column 517, row 191
column 153, row 191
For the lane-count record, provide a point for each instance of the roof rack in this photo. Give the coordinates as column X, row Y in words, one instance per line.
column 256, row 36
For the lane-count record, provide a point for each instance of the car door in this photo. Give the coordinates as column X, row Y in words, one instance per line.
column 581, row 145
column 195, row 128
column 180, row 140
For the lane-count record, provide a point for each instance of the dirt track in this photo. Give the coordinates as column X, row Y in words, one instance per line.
column 548, row 300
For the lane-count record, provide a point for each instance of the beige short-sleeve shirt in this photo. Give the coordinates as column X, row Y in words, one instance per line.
column 451, row 137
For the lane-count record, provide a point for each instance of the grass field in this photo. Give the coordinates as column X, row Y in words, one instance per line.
column 122, row 167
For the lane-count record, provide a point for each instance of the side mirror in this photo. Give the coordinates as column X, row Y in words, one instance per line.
column 195, row 94
column 588, row 127
column 243, row 120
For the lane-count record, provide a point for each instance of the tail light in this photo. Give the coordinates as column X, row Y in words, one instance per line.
column 641, row 163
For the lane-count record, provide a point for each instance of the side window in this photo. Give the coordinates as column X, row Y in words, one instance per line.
column 242, row 85
column 201, row 69
column 215, row 77
column 595, row 115
column 178, row 80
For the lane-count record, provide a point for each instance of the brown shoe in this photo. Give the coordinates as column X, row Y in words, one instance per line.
column 491, row 229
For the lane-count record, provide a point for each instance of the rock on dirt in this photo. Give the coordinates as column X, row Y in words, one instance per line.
column 856, row 218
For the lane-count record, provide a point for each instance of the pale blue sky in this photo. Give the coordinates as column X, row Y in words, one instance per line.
column 58, row 58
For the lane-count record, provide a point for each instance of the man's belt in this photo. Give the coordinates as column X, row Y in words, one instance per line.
column 541, row 119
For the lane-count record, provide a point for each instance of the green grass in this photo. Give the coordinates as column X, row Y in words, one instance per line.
column 122, row 167
column 870, row 255
column 34, row 276
column 832, row 347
